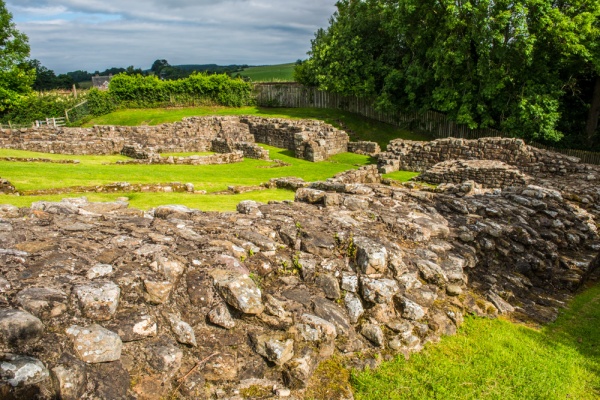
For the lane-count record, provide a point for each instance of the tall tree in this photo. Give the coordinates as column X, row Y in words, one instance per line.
column 16, row 75
column 508, row 64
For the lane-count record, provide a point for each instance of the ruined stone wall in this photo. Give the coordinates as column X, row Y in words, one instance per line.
column 213, row 159
column 101, row 301
column 362, row 147
column 420, row 156
column 6, row 187
column 310, row 140
column 488, row 173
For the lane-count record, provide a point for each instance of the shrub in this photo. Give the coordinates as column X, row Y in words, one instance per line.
column 100, row 102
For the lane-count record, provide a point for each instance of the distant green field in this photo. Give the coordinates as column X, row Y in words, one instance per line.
column 270, row 73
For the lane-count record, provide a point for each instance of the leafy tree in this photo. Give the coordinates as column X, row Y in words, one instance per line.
column 516, row 65
column 158, row 66
column 16, row 76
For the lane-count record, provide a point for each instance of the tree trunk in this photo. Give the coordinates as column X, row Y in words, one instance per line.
column 594, row 114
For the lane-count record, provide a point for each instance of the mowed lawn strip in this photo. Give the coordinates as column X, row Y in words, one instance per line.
column 497, row 359
column 146, row 201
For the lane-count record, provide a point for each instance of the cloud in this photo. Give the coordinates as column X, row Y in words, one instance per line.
column 67, row 35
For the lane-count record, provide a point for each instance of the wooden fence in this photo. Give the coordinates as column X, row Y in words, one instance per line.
column 53, row 122
column 294, row 95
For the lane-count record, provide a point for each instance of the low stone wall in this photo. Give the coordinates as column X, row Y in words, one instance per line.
column 310, row 140
column 37, row 160
column 362, row 147
column 420, row 156
column 6, row 187
column 214, row 159
column 488, row 173
column 119, row 187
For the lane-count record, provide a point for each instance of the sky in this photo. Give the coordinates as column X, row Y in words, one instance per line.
column 93, row 35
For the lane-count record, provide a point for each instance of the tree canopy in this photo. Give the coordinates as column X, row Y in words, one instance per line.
column 527, row 67
column 16, row 75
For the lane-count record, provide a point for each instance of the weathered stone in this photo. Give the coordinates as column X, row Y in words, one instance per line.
column 157, row 292
column 379, row 290
column 70, row 377
column 99, row 270
column 164, row 355
column 431, row 272
column 350, row 282
column 330, row 286
column 133, row 325
column 94, row 344
column 354, row 307
column 170, row 269
column 313, row 328
column 299, row 370
column 502, row 305
column 18, row 370
column 43, row 302
column 332, row 313
column 182, row 330
column 221, row 316
column 98, row 300
column 371, row 256
column 151, row 387
column 374, row 333
column 18, row 327
column 411, row 310
column 273, row 349
column 221, row 367
column 239, row 291
column 110, row 380
column 453, row 290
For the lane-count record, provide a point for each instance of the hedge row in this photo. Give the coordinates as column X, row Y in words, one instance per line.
column 137, row 91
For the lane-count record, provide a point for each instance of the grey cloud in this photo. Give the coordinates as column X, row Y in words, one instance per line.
column 247, row 32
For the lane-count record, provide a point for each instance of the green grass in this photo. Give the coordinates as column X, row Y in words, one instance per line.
column 270, row 73
column 401, row 176
column 92, row 171
column 145, row 201
column 96, row 170
column 188, row 154
column 497, row 359
column 359, row 128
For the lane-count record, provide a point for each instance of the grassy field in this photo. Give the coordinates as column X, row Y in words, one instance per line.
column 359, row 128
column 270, row 73
column 101, row 170
column 497, row 359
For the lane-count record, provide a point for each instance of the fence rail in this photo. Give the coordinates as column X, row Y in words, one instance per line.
column 294, row 95
column 10, row 126
column 53, row 122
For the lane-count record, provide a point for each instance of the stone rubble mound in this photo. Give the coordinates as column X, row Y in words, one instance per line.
column 100, row 301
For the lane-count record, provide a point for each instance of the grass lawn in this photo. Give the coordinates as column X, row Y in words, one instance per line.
column 361, row 128
column 497, row 359
column 270, row 73
column 146, row 201
column 96, row 170
column 91, row 171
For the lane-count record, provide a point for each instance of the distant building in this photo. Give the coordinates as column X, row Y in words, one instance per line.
column 101, row 82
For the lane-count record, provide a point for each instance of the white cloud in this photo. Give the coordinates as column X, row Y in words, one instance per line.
column 67, row 35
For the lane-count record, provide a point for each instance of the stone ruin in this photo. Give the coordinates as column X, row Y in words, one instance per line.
column 6, row 187
column 309, row 140
column 100, row 301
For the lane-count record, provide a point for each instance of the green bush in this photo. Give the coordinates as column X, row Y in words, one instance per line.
column 39, row 107
column 100, row 102
column 137, row 91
